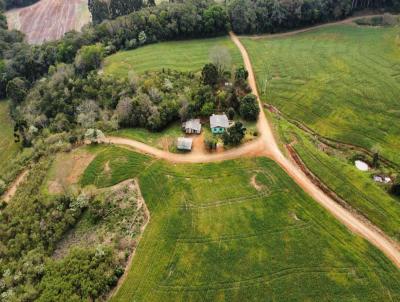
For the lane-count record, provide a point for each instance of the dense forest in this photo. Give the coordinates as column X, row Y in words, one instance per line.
column 260, row 16
column 16, row 3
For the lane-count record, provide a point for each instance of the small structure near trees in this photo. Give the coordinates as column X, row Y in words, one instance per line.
column 192, row 126
column 219, row 123
column 184, row 143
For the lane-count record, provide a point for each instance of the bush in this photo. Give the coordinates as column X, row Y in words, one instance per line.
column 395, row 189
column 234, row 135
column 210, row 143
column 249, row 108
column 2, row 186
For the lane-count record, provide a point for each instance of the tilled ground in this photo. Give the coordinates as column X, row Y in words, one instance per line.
column 49, row 19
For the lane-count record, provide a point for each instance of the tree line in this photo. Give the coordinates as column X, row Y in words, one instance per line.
column 191, row 19
column 262, row 16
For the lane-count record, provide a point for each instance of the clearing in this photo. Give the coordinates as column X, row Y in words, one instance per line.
column 341, row 81
column 189, row 55
column 214, row 236
column 49, row 20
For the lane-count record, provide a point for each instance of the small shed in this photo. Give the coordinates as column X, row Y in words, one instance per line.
column 192, row 126
column 219, row 123
column 184, row 143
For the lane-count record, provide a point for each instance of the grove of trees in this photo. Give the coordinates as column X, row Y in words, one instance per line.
column 259, row 16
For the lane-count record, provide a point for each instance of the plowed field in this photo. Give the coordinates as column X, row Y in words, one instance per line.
column 49, row 19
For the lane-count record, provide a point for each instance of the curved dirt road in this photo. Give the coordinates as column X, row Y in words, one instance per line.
column 390, row 248
column 266, row 145
column 253, row 148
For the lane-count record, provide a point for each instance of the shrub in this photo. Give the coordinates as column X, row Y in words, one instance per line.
column 395, row 189
column 249, row 108
column 2, row 186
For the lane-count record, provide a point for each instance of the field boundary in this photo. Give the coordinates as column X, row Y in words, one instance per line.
column 348, row 20
column 128, row 266
column 336, row 144
column 325, row 188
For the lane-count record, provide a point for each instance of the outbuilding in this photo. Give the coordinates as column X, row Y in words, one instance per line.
column 219, row 123
column 192, row 126
column 184, row 143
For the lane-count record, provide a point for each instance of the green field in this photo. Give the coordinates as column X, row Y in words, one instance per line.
column 8, row 149
column 356, row 187
column 342, row 81
column 160, row 140
column 216, row 234
column 179, row 55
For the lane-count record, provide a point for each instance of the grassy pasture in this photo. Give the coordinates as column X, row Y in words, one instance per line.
column 178, row 55
column 238, row 231
column 156, row 139
column 354, row 186
column 8, row 149
column 342, row 81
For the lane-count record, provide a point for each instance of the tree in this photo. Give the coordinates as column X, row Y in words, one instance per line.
column 124, row 111
column 17, row 90
column 88, row 112
column 89, row 58
column 94, row 136
column 210, row 143
column 221, row 58
column 395, row 189
column 111, row 9
column 2, row 186
column 215, row 20
column 249, row 108
column 241, row 75
column 234, row 134
column 231, row 113
column 209, row 74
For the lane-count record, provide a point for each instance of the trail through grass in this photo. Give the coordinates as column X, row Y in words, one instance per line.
column 178, row 55
column 342, row 81
column 216, row 236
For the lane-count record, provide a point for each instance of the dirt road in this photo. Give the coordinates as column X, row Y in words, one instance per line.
column 390, row 248
column 253, row 148
column 14, row 186
column 266, row 145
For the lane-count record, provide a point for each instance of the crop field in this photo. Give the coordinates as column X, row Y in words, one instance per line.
column 178, row 55
column 356, row 187
column 49, row 19
column 239, row 230
column 8, row 149
column 341, row 81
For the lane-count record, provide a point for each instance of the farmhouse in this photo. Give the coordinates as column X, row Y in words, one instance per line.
column 218, row 123
column 192, row 126
column 184, row 144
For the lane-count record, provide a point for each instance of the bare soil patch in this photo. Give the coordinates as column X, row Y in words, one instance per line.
column 14, row 186
column 67, row 169
column 49, row 19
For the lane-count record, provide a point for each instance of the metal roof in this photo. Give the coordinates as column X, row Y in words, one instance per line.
column 219, row 120
column 193, row 124
column 184, row 143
